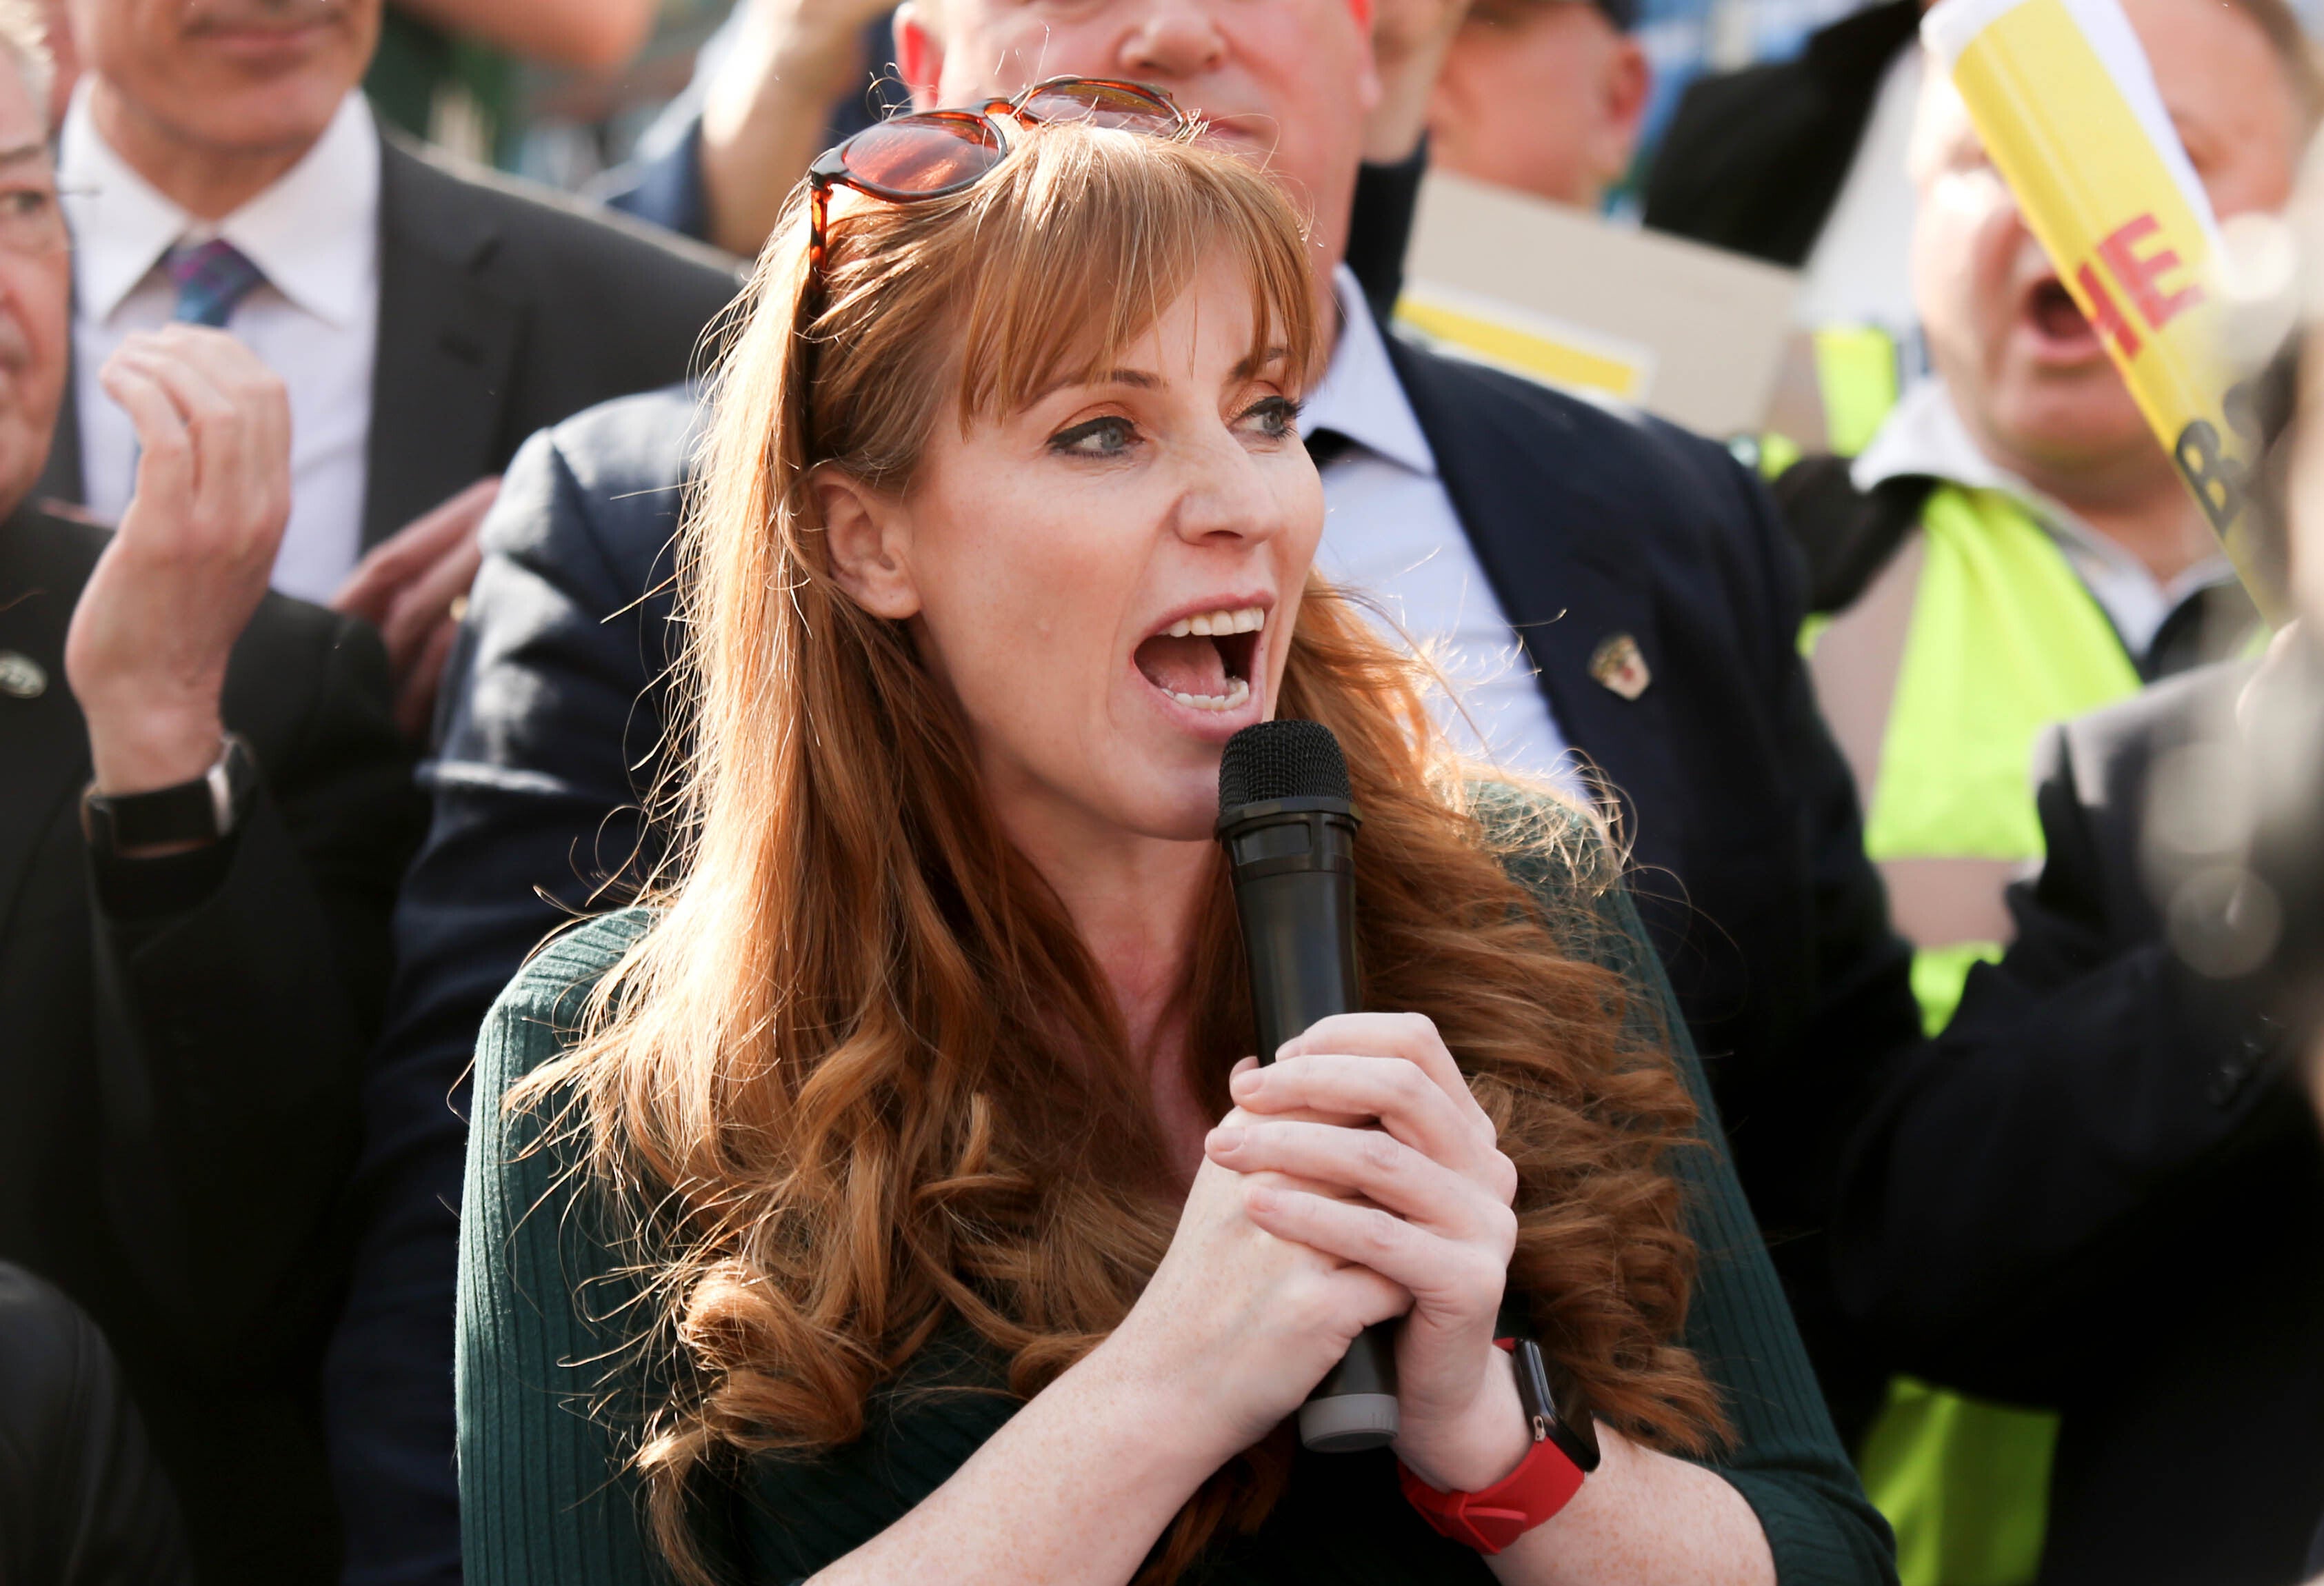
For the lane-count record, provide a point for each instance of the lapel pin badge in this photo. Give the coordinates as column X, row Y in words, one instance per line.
column 1617, row 664
column 21, row 676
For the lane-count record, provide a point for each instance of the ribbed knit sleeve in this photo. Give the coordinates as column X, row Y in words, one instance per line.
column 1786, row 1459
column 543, row 1496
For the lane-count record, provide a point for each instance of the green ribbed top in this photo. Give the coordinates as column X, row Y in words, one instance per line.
column 544, row 1499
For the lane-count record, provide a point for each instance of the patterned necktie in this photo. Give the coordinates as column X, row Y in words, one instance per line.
column 212, row 277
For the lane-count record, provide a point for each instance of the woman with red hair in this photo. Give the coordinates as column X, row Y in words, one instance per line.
column 855, row 1209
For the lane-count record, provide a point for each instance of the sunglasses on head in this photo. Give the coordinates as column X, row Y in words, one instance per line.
column 934, row 154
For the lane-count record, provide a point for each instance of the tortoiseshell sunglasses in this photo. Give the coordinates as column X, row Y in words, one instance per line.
column 932, row 153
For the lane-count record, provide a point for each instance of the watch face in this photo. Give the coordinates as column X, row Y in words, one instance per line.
column 1558, row 1409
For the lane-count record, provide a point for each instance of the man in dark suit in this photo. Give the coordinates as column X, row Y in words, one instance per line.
column 1640, row 568
column 2101, row 1191
column 204, row 810
column 221, row 167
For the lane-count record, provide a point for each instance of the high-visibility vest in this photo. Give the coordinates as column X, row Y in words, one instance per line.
column 1937, row 683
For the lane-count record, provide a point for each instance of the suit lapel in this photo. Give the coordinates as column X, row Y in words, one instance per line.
column 1547, row 547
column 43, row 746
column 447, row 344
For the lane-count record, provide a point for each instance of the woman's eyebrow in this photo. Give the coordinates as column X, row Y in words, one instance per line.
column 1139, row 378
column 1259, row 362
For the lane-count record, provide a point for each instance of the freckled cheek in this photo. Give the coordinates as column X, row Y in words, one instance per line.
column 1303, row 519
column 1067, row 602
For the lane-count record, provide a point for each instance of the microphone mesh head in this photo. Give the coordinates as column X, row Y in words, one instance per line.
column 1282, row 760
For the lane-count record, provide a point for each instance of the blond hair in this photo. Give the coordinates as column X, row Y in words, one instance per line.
column 862, row 1080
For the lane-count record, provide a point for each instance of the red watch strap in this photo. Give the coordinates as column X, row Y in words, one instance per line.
column 1543, row 1483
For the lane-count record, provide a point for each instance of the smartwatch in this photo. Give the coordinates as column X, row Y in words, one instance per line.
column 1564, row 1451
column 194, row 813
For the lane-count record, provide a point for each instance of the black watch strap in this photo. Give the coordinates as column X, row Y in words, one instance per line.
column 203, row 810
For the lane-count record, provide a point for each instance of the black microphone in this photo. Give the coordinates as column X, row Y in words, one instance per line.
column 1287, row 820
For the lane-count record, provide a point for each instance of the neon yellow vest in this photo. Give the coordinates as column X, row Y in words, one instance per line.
column 2004, row 641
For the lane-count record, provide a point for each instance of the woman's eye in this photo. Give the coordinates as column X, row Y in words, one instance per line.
column 1097, row 437
column 1276, row 417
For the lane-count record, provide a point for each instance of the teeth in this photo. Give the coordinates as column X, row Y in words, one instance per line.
column 1251, row 619
column 1238, row 690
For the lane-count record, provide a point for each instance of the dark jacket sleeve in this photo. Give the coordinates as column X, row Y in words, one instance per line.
column 2017, row 1183
column 1754, row 160
column 536, row 808
column 231, row 1028
column 83, row 1502
column 665, row 187
column 1786, row 1458
column 1799, row 1100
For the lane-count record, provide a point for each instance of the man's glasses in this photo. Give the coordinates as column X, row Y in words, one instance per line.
column 934, row 154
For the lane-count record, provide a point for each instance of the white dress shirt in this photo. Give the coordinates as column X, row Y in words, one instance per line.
column 314, row 320
column 1925, row 436
column 1390, row 532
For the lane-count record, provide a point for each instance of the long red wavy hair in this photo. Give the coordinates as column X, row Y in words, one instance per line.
column 861, row 1079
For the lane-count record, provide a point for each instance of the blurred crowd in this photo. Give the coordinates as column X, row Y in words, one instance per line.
column 340, row 470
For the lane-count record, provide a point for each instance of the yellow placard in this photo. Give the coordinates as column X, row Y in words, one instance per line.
column 1529, row 345
column 2067, row 107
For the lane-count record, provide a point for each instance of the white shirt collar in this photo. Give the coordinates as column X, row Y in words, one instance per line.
column 314, row 233
column 1924, row 435
column 1359, row 396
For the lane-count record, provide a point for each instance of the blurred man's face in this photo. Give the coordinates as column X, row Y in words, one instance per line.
column 239, row 77
column 35, row 289
column 1547, row 103
column 1289, row 79
column 2026, row 371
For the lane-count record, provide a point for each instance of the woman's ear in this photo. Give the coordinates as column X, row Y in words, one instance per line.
column 867, row 534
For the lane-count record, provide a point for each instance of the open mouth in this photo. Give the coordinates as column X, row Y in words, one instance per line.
column 1205, row 661
column 2052, row 312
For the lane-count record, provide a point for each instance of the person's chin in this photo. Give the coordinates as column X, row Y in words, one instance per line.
column 264, row 90
column 21, row 453
column 2075, row 430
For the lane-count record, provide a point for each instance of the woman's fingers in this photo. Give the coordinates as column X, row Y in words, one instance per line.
column 1445, row 1276
column 1377, row 1167
column 1409, row 1104
column 1409, row 1036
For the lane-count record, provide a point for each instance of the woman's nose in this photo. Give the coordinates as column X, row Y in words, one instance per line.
column 1175, row 41
column 1228, row 497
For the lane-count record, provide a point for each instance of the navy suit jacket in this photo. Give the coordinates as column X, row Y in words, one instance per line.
column 1592, row 524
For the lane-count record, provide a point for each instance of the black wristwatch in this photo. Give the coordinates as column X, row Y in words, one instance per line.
column 1553, row 1406
column 201, row 811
